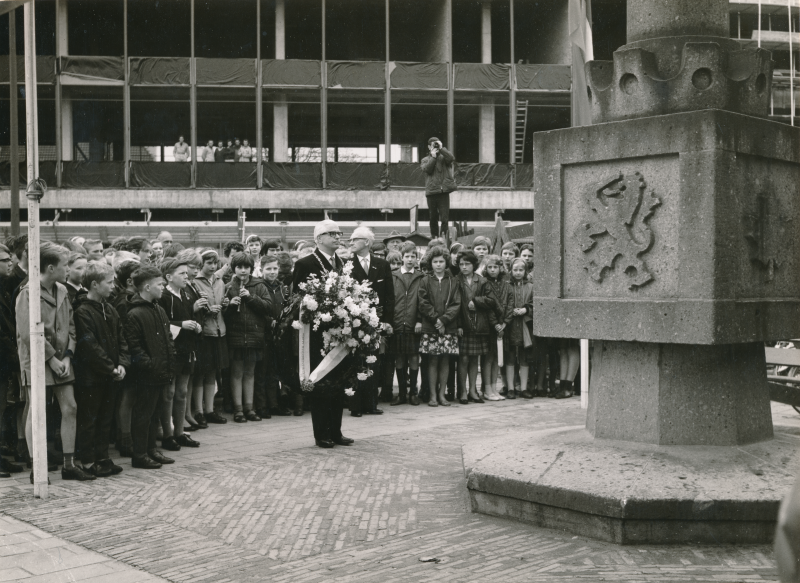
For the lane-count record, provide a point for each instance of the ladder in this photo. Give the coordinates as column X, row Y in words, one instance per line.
column 520, row 127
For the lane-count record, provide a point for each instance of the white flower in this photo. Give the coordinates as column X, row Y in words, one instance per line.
column 348, row 268
column 372, row 358
column 362, row 376
column 325, row 317
column 340, row 313
column 352, row 343
column 310, row 303
column 347, row 330
column 349, row 392
column 297, row 324
column 356, row 323
column 360, row 333
column 366, row 339
column 373, row 321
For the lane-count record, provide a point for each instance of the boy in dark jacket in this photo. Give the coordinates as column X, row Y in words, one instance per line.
column 407, row 326
column 179, row 307
column 265, row 399
column 101, row 360
column 152, row 364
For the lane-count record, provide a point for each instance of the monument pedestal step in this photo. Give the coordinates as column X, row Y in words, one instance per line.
column 633, row 493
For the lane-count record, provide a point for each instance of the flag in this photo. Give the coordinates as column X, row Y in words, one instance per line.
column 580, row 38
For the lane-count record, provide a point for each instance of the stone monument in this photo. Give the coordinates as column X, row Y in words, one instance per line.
column 668, row 233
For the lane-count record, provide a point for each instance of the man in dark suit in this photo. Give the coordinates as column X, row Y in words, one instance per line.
column 378, row 272
column 326, row 406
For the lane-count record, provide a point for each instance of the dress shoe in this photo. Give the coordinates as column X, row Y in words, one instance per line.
column 511, row 395
column 375, row 411
column 144, row 462
column 98, row 471
column 324, row 443
column 201, row 420
column 170, row 444
column 6, row 449
column 185, row 440
column 526, row 395
column 252, row 416
column 475, row 400
column 280, row 412
column 5, row 475
column 399, row 401
column 215, row 417
column 413, row 400
column 344, row 441
column 75, row 473
column 191, row 427
column 10, row 467
column 264, row 414
column 159, row 457
column 115, row 469
column 464, row 401
column 355, row 414
column 298, row 412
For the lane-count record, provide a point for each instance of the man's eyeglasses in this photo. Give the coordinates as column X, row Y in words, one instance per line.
column 336, row 234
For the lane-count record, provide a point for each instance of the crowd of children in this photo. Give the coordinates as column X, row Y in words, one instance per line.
column 141, row 338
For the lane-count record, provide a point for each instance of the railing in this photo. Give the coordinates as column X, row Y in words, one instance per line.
column 275, row 175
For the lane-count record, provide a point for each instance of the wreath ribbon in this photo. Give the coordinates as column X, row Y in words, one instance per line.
column 330, row 362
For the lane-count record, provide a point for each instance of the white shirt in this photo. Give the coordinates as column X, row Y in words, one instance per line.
column 365, row 262
column 328, row 257
column 404, row 270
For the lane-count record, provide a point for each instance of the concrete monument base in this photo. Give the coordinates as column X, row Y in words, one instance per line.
column 679, row 394
column 632, row 493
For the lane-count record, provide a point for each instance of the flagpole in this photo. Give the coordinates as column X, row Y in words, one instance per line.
column 34, row 193
column 791, row 64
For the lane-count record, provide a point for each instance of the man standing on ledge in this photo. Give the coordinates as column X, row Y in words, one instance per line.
column 326, row 406
column 439, row 168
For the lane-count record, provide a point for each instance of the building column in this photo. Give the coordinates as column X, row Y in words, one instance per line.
column 486, row 128
column 62, row 49
column 280, row 124
column 62, row 40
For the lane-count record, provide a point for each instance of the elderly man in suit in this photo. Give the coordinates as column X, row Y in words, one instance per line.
column 378, row 272
column 326, row 406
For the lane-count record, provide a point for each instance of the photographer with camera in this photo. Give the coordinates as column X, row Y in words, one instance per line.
column 439, row 167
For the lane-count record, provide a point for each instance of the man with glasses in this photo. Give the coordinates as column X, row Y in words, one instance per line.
column 369, row 267
column 326, row 406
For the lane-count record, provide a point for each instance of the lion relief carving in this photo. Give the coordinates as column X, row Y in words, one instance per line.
column 617, row 235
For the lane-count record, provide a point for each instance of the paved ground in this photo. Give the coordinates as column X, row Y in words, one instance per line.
column 259, row 502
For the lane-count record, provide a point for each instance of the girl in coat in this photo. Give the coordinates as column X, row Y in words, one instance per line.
column 499, row 318
column 477, row 302
column 439, row 305
column 212, row 355
column 247, row 318
column 518, row 339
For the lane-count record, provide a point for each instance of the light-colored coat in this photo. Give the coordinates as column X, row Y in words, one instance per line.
column 59, row 332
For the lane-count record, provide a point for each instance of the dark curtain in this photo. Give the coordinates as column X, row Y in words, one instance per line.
column 161, row 174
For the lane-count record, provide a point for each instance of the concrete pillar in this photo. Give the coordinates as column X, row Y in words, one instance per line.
column 62, row 49
column 66, row 125
column 62, row 42
column 486, row 123
column 280, row 117
column 280, row 29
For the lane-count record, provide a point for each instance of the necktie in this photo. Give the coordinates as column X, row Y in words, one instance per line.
column 365, row 264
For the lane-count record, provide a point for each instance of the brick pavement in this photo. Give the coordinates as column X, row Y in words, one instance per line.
column 259, row 502
column 34, row 556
